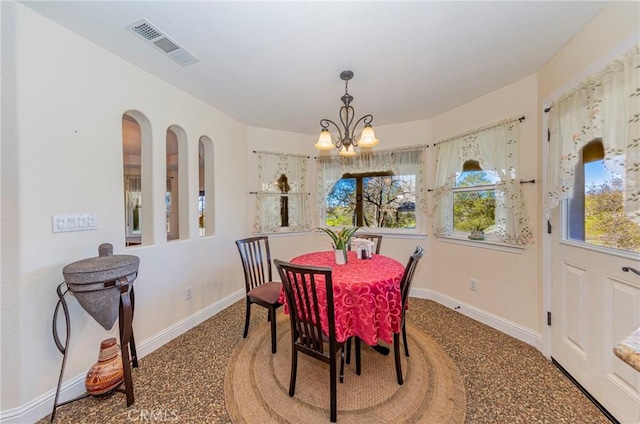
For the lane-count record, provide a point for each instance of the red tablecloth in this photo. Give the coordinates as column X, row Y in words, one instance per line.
column 366, row 295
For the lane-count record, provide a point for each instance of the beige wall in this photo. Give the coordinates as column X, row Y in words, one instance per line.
column 62, row 153
column 65, row 156
column 607, row 36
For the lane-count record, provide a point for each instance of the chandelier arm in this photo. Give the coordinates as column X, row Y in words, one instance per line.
column 346, row 121
column 366, row 120
column 324, row 123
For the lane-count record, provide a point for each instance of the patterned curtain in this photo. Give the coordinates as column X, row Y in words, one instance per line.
column 496, row 148
column 607, row 106
column 282, row 197
column 401, row 161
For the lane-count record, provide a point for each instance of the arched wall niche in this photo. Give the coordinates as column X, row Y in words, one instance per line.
column 206, row 221
column 176, row 196
column 137, row 149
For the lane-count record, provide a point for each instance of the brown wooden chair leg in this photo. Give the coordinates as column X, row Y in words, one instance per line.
column 396, row 351
column 404, row 339
column 294, row 370
column 333, row 388
column 342, row 365
column 358, row 365
column 272, row 315
column 348, row 347
column 247, row 316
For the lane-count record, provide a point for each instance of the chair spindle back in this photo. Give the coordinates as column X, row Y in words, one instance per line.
column 256, row 261
column 304, row 287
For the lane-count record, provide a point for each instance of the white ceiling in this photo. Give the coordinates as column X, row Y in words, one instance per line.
column 277, row 64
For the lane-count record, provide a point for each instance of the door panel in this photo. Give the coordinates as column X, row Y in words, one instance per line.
column 574, row 295
column 595, row 305
column 624, row 310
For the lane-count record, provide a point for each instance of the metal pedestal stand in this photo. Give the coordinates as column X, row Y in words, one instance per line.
column 127, row 342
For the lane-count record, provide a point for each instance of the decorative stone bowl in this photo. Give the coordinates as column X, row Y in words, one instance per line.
column 96, row 282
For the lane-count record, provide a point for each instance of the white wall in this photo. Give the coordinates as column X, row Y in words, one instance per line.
column 509, row 284
column 9, row 295
column 64, row 155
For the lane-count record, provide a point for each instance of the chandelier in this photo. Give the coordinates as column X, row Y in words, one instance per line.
column 346, row 140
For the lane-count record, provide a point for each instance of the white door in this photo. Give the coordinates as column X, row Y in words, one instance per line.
column 594, row 305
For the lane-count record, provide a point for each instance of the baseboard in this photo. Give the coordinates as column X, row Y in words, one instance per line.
column 160, row 339
column 494, row 321
column 42, row 405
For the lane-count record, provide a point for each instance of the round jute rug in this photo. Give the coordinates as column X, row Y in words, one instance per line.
column 256, row 385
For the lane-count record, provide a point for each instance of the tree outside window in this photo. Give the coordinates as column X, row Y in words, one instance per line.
column 595, row 213
column 375, row 200
column 474, row 201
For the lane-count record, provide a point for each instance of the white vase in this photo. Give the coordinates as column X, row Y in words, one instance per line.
column 341, row 256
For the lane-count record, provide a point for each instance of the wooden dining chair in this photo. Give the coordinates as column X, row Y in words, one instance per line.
column 376, row 238
column 301, row 285
column 405, row 285
column 259, row 284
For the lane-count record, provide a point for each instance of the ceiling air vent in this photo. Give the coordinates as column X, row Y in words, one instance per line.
column 153, row 36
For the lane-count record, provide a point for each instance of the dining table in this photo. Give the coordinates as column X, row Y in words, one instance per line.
column 366, row 294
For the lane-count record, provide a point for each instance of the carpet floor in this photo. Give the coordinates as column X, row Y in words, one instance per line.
column 506, row 380
column 257, row 384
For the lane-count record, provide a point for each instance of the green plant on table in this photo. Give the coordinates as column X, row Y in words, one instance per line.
column 341, row 237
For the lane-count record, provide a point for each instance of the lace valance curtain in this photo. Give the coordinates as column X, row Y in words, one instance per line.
column 401, row 161
column 607, row 106
column 496, row 148
column 282, row 197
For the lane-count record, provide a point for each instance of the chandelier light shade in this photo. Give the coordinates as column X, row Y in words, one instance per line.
column 347, row 140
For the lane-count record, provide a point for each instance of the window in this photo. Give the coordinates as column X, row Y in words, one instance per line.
column 595, row 213
column 376, row 200
column 478, row 187
column 474, row 200
column 282, row 197
column 597, row 120
column 382, row 189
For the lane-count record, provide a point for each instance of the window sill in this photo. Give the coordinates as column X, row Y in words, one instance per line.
column 284, row 233
column 387, row 233
column 398, row 233
column 395, row 234
column 625, row 254
column 483, row 244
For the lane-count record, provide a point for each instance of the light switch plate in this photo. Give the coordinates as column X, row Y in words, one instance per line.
column 62, row 223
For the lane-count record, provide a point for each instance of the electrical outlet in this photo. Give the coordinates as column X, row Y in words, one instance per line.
column 187, row 293
column 473, row 285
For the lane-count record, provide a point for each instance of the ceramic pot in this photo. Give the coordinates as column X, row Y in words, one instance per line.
column 106, row 374
column 341, row 256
